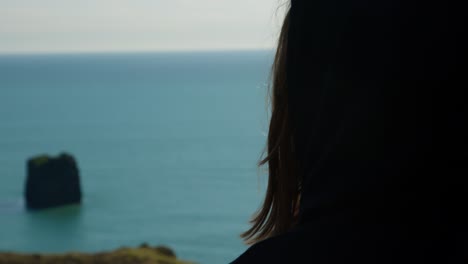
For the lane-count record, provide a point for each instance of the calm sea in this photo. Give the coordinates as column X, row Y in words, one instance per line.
column 166, row 143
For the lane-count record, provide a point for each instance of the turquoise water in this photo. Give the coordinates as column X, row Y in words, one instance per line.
column 167, row 146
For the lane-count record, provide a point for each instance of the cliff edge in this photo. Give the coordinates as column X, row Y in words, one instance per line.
column 142, row 255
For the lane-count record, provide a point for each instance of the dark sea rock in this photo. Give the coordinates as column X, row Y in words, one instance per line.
column 52, row 182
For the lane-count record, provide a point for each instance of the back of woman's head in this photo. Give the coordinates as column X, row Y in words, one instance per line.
column 368, row 86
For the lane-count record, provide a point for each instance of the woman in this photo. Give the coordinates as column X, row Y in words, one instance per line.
column 366, row 141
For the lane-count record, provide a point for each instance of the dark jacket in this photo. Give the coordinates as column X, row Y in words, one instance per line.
column 376, row 96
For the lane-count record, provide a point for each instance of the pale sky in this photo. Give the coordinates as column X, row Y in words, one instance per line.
column 30, row 26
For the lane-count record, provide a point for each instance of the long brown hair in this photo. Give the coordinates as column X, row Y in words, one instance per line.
column 277, row 214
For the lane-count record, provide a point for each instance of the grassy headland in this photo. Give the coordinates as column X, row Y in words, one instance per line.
column 142, row 255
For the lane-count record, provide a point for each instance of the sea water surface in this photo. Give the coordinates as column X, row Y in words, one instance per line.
column 166, row 143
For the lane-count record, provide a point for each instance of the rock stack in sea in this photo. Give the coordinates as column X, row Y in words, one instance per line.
column 52, row 182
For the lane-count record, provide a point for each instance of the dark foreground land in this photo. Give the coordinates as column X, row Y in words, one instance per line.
column 144, row 254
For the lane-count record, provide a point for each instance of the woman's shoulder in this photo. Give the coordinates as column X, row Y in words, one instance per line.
column 342, row 241
column 303, row 244
column 279, row 249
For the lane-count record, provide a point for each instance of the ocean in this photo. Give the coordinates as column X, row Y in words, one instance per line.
column 166, row 144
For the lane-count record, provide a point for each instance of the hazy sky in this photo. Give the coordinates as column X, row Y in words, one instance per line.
column 137, row 25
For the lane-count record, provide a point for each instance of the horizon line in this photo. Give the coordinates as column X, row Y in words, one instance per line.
column 161, row 51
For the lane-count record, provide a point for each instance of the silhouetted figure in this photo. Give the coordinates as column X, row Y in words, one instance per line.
column 366, row 147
